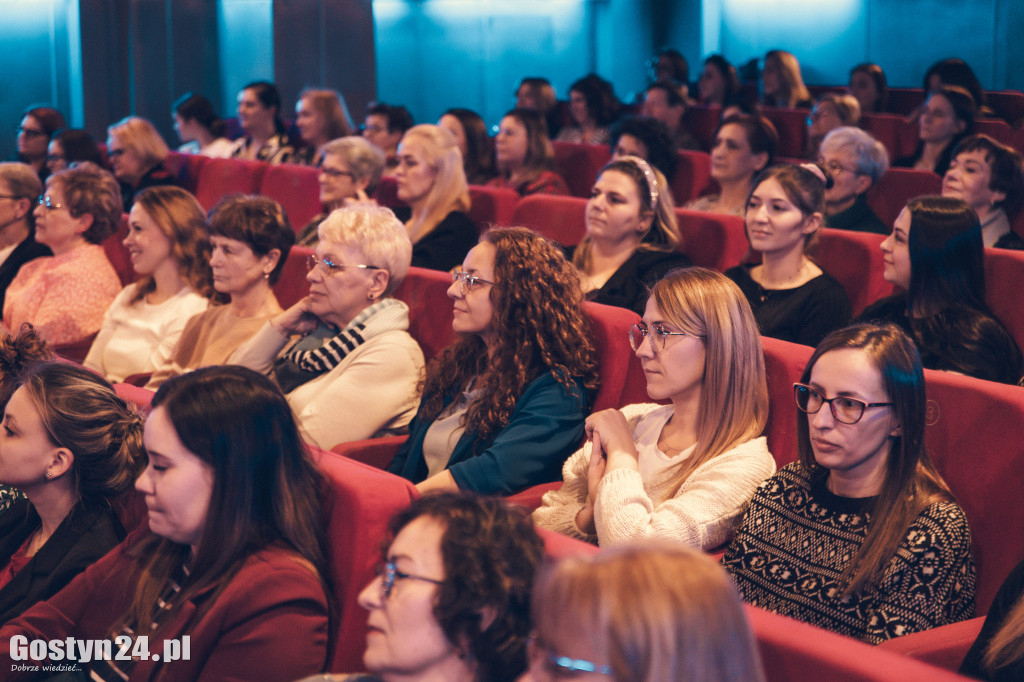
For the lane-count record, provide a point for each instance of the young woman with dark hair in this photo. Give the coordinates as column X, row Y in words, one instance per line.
column 470, row 133
column 525, row 157
column 594, row 107
column 946, row 117
column 259, row 114
column 743, row 147
column 200, row 129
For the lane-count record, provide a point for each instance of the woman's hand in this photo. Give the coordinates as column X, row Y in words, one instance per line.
column 296, row 320
column 610, row 428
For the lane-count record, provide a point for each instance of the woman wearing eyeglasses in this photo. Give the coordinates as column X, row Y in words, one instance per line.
column 503, row 407
column 65, row 297
column 683, row 471
column 137, row 154
column 343, row 355
column 861, row 535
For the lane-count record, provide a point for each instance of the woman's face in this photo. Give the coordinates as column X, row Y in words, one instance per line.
column 711, row 85
column 337, row 295
column 337, row 182
column 310, row 122
column 26, row 452
column 32, row 139
column 511, row 143
column 864, row 89
column 236, row 268
column 184, row 128
column 252, row 115
column 55, row 160
column 473, row 310
column 854, row 452
column 454, row 126
column 969, row 178
column 824, row 119
column 405, row 641
column 148, row 246
column 731, row 157
column 628, row 145
column 414, row 174
column 526, row 99
column 56, row 227
column 939, row 123
column 774, row 223
column 128, row 166
column 675, row 372
column 177, row 484
column 615, row 214
column 578, row 107
column 770, row 77
column 896, row 251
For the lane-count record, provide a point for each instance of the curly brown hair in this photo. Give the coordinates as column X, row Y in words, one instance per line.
column 539, row 325
column 19, row 353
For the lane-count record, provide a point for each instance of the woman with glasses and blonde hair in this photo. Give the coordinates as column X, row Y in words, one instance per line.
column 170, row 251
column 65, row 296
column 432, row 181
column 644, row 612
column 683, row 471
column 861, row 535
column 503, row 406
column 343, row 355
column 137, row 153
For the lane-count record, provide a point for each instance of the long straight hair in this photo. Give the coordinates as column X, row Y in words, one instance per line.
column 449, row 191
column 1007, row 644
column 911, row 482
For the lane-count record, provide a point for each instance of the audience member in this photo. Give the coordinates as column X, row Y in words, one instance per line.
column 199, row 128
column 350, row 170
column 72, row 146
column 71, row 445
column 996, row 654
column 664, row 101
column 632, row 237
column 250, row 238
column 946, row 118
column 137, row 153
column 232, row 557
column 831, row 111
column 320, row 116
column 343, row 355
column 503, row 407
column 683, row 471
column 743, row 147
column 19, row 191
column 594, row 107
column 856, row 161
column 936, row 254
column 525, row 157
column 718, row 82
column 793, row 298
column 781, row 82
column 38, row 126
column 432, row 182
column 536, row 94
column 264, row 136
column 670, row 66
column 861, row 535
column 868, row 85
column 954, row 71
column 470, row 133
column 652, row 612
column 988, row 176
column 384, row 127
column 169, row 248
column 81, row 208
column 647, row 139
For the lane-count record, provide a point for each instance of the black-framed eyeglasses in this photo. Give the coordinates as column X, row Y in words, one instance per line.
column 845, row 410
column 562, row 666
column 329, row 266
column 335, row 173
column 659, row 335
column 389, row 574
column 30, row 132
column 467, row 281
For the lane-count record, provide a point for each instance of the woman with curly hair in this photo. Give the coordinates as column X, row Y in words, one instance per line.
column 169, row 247
column 452, row 600
column 503, row 407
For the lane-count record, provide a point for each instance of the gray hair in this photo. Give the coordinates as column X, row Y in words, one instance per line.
column 376, row 233
column 872, row 158
column 363, row 159
column 24, row 183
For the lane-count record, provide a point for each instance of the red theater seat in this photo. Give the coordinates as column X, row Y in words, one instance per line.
column 944, row 646
column 896, row 187
column 784, row 363
column 855, row 259
column 996, row 129
column 886, row 128
column 702, row 122
column 561, row 219
column 791, row 125
column 430, row 309
column 296, row 188
column 579, row 164
column 693, row 176
column 491, row 206
column 220, row 177
column 142, row 398
column 712, row 240
column 117, row 253
column 1004, row 282
column 292, row 287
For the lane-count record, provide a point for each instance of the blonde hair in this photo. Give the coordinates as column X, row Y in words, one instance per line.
column 661, row 612
column 734, row 396
column 449, row 191
column 1007, row 644
column 376, row 233
column 791, row 82
column 138, row 136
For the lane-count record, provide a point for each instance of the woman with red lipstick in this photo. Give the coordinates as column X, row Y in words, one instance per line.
column 861, row 535
column 683, row 471
column 632, row 235
column 793, row 299
column 169, row 247
column 935, row 253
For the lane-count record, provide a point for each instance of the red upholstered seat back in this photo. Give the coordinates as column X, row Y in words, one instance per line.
column 579, row 164
column 292, row 286
column 117, row 252
column 855, row 259
column 296, row 188
column 1004, row 284
column 430, row 309
column 784, row 363
column 220, row 177
column 622, row 379
column 491, row 206
column 893, row 190
column 693, row 176
column 561, row 219
column 712, row 240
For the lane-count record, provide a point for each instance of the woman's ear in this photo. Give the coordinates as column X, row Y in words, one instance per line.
column 897, row 431
column 646, row 219
column 762, row 161
column 812, row 223
column 84, row 223
column 270, row 261
column 60, row 463
column 378, row 284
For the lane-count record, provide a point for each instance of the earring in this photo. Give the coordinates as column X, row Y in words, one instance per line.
column 266, row 276
column 47, row 475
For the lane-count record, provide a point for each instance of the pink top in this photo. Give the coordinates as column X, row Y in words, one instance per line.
column 65, row 296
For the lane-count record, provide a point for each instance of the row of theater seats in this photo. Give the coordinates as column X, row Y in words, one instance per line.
column 979, row 464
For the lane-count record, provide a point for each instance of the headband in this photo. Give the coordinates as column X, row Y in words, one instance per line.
column 652, row 179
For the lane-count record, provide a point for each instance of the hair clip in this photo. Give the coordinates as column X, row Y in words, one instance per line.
column 652, row 179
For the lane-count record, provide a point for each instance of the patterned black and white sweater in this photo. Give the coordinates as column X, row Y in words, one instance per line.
column 797, row 537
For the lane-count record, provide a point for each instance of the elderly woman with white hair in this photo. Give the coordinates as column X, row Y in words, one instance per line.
column 343, row 355
column 856, row 161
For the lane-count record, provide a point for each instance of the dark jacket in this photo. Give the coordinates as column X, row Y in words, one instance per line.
column 27, row 250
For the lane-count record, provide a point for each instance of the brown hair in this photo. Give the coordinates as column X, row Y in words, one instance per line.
column 540, row 155
column 256, row 221
column 19, row 353
column 791, row 82
column 803, row 187
column 89, row 189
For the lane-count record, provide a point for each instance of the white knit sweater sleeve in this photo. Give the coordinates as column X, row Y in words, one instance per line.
column 701, row 514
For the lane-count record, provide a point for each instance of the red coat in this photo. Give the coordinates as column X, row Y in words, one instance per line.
column 268, row 624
